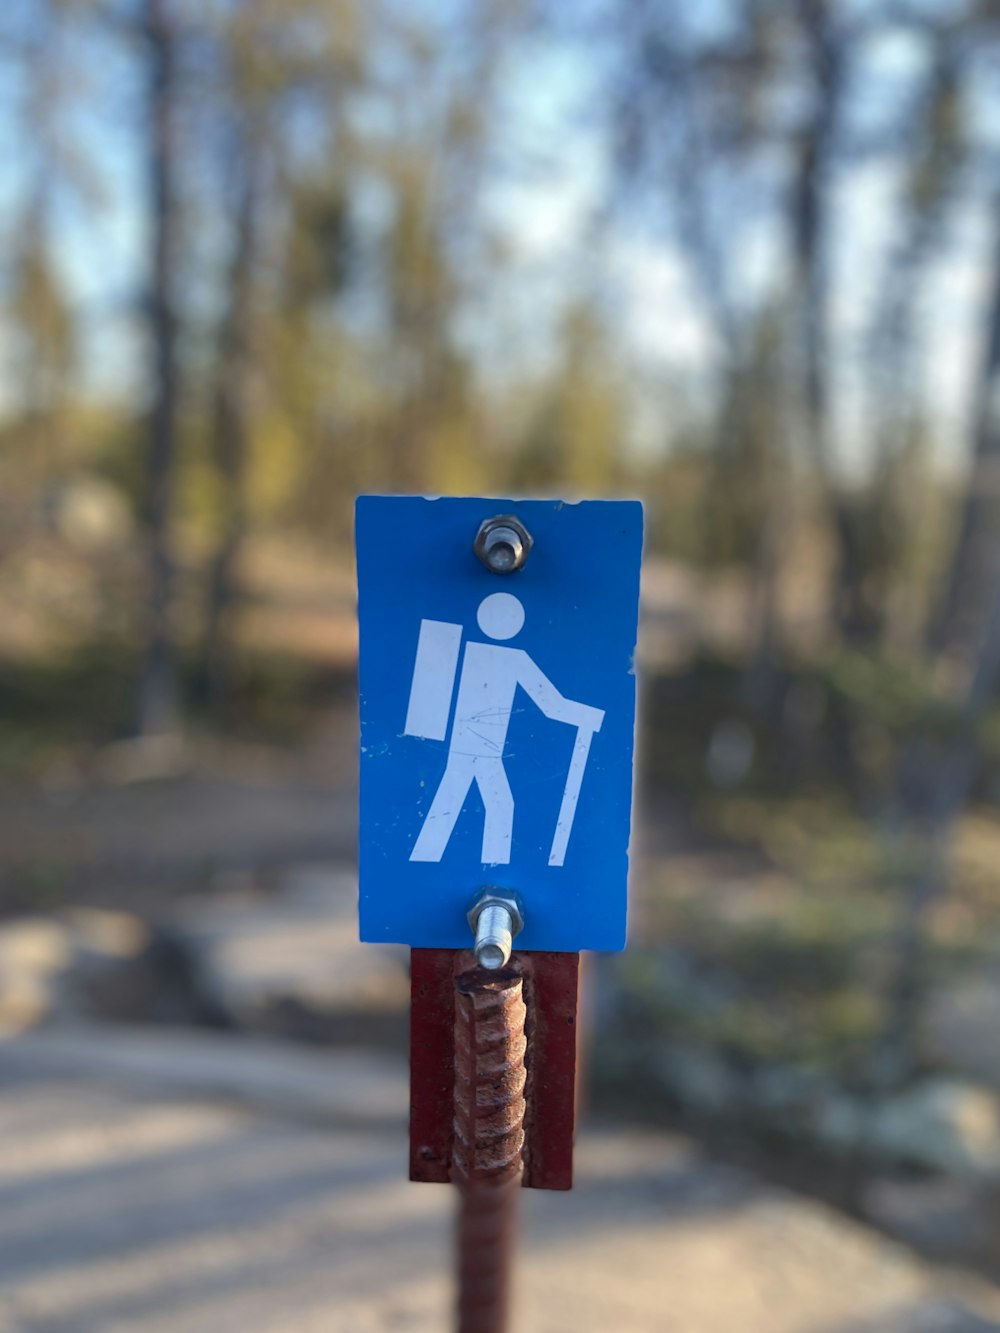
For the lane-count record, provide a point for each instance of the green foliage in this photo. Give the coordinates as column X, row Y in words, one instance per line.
column 320, row 246
column 572, row 440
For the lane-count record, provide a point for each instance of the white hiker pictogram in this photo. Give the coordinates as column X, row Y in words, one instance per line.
column 487, row 685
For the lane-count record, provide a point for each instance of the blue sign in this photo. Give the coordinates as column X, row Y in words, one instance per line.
column 497, row 719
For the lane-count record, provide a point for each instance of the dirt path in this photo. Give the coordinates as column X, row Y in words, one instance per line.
column 180, row 1182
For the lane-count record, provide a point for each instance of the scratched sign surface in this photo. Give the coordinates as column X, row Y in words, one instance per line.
column 497, row 718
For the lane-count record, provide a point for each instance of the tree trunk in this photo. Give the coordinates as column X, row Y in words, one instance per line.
column 937, row 776
column 956, row 638
column 157, row 694
column 828, row 62
column 232, row 432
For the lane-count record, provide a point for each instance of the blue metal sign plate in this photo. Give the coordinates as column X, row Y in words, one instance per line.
column 497, row 719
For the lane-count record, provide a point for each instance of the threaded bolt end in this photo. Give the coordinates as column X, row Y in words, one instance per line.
column 494, row 936
column 503, row 550
column 502, row 544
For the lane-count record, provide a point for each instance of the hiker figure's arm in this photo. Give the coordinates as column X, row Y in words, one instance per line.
column 542, row 692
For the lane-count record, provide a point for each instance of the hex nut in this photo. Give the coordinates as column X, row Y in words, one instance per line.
column 488, row 897
column 503, row 544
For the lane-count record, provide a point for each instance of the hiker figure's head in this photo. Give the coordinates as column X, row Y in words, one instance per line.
column 500, row 615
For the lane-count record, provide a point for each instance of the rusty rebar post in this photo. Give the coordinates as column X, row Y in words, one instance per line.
column 488, row 1140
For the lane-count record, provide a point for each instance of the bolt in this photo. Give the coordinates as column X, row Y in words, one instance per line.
column 503, row 544
column 495, row 918
column 494, row 940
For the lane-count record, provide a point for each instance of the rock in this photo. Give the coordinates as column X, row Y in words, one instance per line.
column 943, row 1124
column 89, row 964
column 944, row 1316
column 98, row 935
column 291, row 963
column 698, row 1080
column 938, row 1214
column 960, row 1028
column 111, row 972
column 840, row 1123
column 287, row 964
column 788, row 1092
column 34, row 953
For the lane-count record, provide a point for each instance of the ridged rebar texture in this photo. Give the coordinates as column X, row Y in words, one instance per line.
column 487, row 1221
column 488, row 1141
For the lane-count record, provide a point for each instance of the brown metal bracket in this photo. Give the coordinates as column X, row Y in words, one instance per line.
column 549, row 987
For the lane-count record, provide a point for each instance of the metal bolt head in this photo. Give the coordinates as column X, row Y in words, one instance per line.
column 495, row 917
column 503, row 544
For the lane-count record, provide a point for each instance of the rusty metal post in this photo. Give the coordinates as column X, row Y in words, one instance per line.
column 488, row 1140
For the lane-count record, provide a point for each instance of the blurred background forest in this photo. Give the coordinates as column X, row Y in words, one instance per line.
column 740, row 258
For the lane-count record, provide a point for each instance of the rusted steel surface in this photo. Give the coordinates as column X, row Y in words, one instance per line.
column 490, row 1076
column 551, row 982
column 488, row 1139
column 487, row 1221
column 432, row 1063
column 550, row 995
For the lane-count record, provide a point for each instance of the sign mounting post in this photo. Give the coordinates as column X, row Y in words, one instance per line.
column 497, row 699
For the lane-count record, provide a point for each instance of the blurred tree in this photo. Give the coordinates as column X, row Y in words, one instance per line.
column 44, row 353
column 829, row 42
column 741, row 131
column 233, row 409
column 268, row 56
column 438, row 244
column 699, row 114
column 253, row 104
column 573, row 436
column 933, row 148
column 940, row 761
column 157, row 702
column 960, row 636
